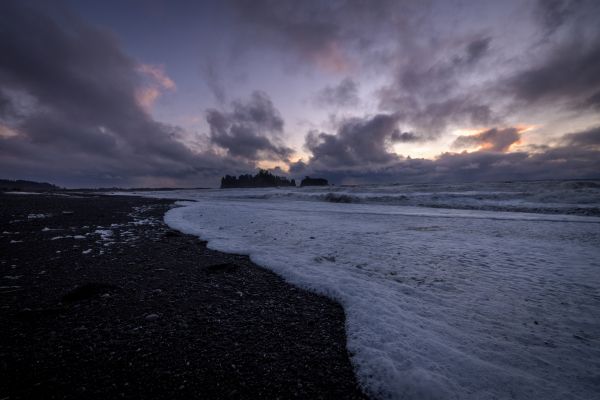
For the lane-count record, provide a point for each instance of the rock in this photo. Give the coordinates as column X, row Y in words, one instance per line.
column 88, row 290
column 263, row 179
column 308, row 181
column 225, row 267
column 171, row 233
column 152, row 317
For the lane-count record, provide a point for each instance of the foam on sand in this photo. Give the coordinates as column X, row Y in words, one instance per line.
column 437, row 306
column 441, row 303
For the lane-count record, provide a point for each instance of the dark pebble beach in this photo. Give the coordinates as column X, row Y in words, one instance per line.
column 101, row 300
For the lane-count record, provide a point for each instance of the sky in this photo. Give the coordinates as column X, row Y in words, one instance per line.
column 161, row 93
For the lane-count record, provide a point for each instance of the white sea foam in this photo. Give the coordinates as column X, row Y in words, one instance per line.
column 105, row 234
column 38, row 216
column 440, row 303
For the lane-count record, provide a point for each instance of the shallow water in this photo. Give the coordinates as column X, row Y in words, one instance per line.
column 441, row 302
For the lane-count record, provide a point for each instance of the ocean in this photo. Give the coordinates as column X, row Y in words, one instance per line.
column 462, row 291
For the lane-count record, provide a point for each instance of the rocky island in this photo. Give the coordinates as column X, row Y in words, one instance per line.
column 262, row 179
column 308, row 181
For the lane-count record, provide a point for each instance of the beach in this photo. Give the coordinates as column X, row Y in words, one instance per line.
column 100, row 299
column 393, row 200
column 450, row 291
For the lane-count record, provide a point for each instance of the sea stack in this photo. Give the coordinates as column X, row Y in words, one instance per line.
column 262, row 179
column 308, row 181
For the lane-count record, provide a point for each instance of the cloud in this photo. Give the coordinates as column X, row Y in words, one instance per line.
column 6, row 106
column 593, row 101
column 214, row 82
column 428, row 91
column 79, row 119
column 476, row 49
column 147, row 96
column 560, row 70
column 586, row 139
column 7, row 131
column 157, row 82
column 251, row 131
column 568, row 75
column 75, row 106
column 326, row 35
column 344, row 94
column 313, row 36
column 447, row 81
column 259, row 111
column 439, row 74
column 494, row 139
column 553, row 14
column 358, row 142
column 576, row 157
column 158, row 75
column 431, row 79
column 405, row 137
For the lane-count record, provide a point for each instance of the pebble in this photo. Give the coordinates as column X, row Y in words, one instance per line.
column 152, row 317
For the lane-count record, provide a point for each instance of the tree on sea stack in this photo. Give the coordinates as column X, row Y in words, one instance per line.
column 263, row 178
column 308, row 181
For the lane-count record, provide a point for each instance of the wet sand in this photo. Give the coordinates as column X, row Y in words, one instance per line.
column 100, row 299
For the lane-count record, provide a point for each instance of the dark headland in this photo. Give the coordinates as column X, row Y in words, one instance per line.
column 7, row 185
column 101, row 300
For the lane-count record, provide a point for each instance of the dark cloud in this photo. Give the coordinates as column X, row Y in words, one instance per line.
column 587, row 139
column 477, row 49
column 593, row 101
column 342, row 95
column 426, row 76
column 430, row 118
column 432, row 90
column 250, row 131
column 325, row 34
column 258, row 111
column 357, row 142
column 439, row 80
column 494, row 139
column 428, row 94
column 569, row 74
column 7, row 108
column 436, row 80
column 306, row 27
column 69, row 105
column 578, row 156
column 405, row 137
column 552, row 14
column 82, row 123
column 561, row 70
